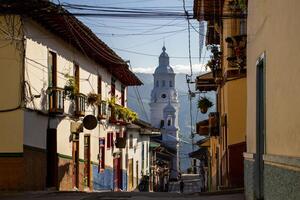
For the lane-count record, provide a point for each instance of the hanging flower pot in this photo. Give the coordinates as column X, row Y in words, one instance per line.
column 93, row 99
column 203, row 110
column 203, row 104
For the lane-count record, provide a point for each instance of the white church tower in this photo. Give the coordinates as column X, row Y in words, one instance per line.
column 164, row 107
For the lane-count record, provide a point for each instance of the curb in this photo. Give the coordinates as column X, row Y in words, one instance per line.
column 221, row 192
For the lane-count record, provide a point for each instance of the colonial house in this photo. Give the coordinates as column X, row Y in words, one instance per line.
column 272, row 160
column 225, row 129
column 63, row 102
column 139, row 156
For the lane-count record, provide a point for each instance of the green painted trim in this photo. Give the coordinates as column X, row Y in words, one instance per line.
column 64, row 156
column 15, row 154
column 69, row 157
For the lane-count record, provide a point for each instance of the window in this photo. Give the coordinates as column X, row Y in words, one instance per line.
column 169, row 122
column 113, row 87
column 56, row 100
column 163, row 83
column 52, row 69
column 100, row 112
column 123, row 95
column 162, row 123
column 130, row 141
column 157, row 83
column 170, row 83
column 76, row 76
column 101, row 154
column 109, row 139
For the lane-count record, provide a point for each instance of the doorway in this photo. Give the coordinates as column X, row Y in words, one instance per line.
column 75, row 158
column 130, row 165
column 51, row 178
column 117, row 173
column 260, row 126
column 87, row 160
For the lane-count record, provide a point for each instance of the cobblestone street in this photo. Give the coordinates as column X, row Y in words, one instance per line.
column 115, row 195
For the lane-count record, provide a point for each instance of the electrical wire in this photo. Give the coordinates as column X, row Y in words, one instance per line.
column 152, row 55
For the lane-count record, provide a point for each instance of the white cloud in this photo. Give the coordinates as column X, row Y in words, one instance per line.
column 146, row 70
column 185, row 69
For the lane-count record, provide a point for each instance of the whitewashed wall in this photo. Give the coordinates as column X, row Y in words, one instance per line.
column 38, row 42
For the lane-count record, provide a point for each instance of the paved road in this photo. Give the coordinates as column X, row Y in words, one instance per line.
column 114, row 196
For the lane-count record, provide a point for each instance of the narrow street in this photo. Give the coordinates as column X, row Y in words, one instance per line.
column 115, row 195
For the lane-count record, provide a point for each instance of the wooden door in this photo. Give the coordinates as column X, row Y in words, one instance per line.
column 117, row 173
column 75, row 157
column 137, row 173
column 130, row 174
column 51, row 158
column 87, row 160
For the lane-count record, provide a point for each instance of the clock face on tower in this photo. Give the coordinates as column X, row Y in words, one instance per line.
column 163, row 96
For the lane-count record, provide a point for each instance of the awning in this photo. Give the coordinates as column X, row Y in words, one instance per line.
column 199, row 154
column 204, row 142
column 206, row 82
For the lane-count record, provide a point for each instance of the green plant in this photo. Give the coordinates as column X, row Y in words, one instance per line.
column 122, row 112
column 70, row 88
column 238, row 5
column 131, row 115
column 204, row 103
column 93, row 99
column 112, row 102
column 126, row 113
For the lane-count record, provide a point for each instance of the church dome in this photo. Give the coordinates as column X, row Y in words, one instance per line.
column 164, row 66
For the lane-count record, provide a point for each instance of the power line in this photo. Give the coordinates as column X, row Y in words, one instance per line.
column 152, row 55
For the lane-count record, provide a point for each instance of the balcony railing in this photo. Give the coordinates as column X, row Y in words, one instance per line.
column 102, row 110
column 237, row 47
column 214, row 124
column 202, row 128
column 80, row 101
column 56, row 100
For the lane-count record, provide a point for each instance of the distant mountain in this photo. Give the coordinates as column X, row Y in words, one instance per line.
column 184, row 111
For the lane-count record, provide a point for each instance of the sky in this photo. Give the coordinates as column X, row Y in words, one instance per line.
column 141, row 40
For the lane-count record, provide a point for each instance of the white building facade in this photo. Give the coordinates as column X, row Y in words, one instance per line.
column 164, row 108
column 41, row 144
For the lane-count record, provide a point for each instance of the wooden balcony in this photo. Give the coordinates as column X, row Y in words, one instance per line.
column 115, row 117
column 102, row 110
column 202, row 128
column 80, row 101
column 237, row 46
column 206, row 82
column 214, row 124
column 56, row 100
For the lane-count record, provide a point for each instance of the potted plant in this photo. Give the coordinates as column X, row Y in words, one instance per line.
column 93, row 99
column 132, row 116
column 203, row 104
column 70, row 89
